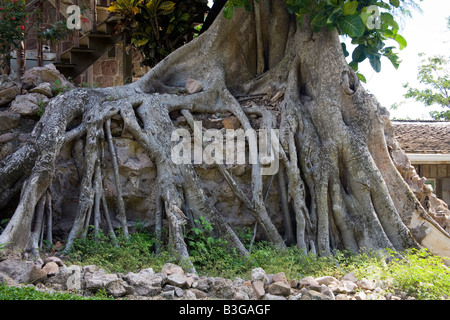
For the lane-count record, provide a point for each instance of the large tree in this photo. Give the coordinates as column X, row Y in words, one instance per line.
column 338, row 182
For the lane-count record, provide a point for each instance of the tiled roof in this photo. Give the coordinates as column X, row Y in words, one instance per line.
column 423, row 136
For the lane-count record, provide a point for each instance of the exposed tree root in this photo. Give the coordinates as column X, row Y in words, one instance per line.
column 333, row 183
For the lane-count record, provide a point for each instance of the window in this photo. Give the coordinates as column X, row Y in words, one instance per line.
column 431, row 183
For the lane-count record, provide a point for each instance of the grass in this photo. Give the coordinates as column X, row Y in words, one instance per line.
column 30, row 293
column 416, row 272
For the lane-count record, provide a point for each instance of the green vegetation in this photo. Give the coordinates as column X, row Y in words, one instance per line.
column 434, row 74
column 30, row 293
column 128, row 256
column 157, row 27
column 371, row 24
column 417, row 273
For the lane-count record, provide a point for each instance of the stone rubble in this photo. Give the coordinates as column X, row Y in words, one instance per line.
column 173, row 283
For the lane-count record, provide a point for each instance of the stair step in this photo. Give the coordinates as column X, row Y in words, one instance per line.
column 83, row 49
column 99, row 35
column 64, row 65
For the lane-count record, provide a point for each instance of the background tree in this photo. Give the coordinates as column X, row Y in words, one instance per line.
column 339, row 186
column 157, row 27
column 12, row 21
column 434, row 74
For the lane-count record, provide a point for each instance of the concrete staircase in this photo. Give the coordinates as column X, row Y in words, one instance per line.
column 90, row 46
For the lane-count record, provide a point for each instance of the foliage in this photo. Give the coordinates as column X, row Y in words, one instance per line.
column 30, row 293
column 434, row 74
column 369, row 23
column 416, row 272
column 12, row 20
column 211, row 255
column 157, row 27
column 129, row 255
column 57, row 32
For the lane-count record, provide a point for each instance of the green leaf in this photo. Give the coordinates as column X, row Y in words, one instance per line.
column 349, row 8
column 320, row 20
column 353, row 26
column 375, row 62
column 401, row 41
column 166, row 6
column 354, row 65
column 361, row 77
column 228, row 11
column 395, row 3
column 344, row 48
column 359, row 54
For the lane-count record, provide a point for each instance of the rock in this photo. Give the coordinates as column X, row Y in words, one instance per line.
column 202, row 284
column 298, row 296
column 148, row 291
column 145, row 278
column 190, row 295
column 56, row 260
column 9, row 120
column 327, row 291
column 178, row 291
column 51, row 268
column 279, row 277
column 176, row 279
column 19, row 270
column 169, row 295
column 269, row 296
column 189, row 281
column 342, row 297
column 293, row 283
column 231, row 123
column 244, row 293
column 119, row 289
column 366, row 284
column 345, row 287
column 259, row 274
column 258, row 288
column 361, row 295
column 327, row 280
column 6, row 137
column 198, row 293
column 279, row 288
column 35, row 76
column 350, row 277
column 90, row 269
column 181, row 121
column 170, row 268
column 8, row 89
column 37, row 275
column 222, row 288
column 2, row 279
column 314, row 295
column 113, row 285
column 193, row 86
column 308, row 281
column 29, row 104
column 43, row 88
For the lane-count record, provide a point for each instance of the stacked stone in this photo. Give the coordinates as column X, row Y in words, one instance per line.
column 172, row 283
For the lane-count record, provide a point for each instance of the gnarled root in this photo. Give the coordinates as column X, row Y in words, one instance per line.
column 337, row 184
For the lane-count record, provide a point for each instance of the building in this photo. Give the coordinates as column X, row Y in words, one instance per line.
column 427, row 145
column 92, row 56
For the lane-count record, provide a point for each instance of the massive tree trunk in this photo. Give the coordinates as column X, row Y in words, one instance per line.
column 338, row 185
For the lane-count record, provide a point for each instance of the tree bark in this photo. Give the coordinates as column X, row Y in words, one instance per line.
column 339, row 185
